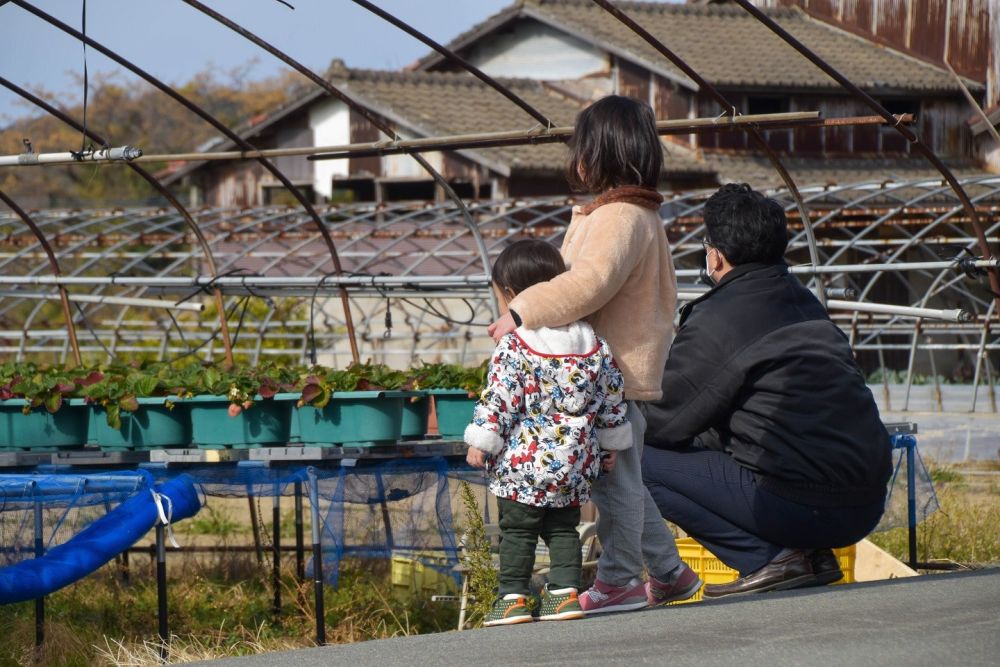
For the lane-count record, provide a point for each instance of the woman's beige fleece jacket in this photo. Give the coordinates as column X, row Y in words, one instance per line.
column 621, row 280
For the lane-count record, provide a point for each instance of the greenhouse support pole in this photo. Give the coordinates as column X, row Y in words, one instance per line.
column 300, row 561
column 54, row 264
column 39, row 602
column 382, row 126
column 276, row 547
column 161, row 591
column 317, row 558
column 923, row 149
column 218, row 125
column 911, row 501
column 730, row 108
column 983, row 360
column 164, row 192
column 255, row 527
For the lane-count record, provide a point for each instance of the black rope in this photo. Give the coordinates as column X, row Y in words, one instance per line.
column 83, row 138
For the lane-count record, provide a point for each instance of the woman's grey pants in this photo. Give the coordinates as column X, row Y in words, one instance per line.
column 629, row 524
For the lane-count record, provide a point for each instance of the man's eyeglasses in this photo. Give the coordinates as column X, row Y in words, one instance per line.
column 705, row 243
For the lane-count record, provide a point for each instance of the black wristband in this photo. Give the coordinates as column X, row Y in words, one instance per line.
column 517, row 318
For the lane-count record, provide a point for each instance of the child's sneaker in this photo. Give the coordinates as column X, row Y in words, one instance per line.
column 682, row 586
column 602, row 598
column 508, row 610
column 559, row 604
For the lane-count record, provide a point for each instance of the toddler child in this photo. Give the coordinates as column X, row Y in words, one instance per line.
column 553, row 402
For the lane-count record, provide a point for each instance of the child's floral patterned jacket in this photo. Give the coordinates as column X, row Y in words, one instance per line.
column 553, row 400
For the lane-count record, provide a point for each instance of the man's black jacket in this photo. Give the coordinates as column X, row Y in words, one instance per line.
column 759, row 371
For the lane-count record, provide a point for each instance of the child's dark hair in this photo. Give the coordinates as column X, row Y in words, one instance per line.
column 615, row 142
column 525, row 263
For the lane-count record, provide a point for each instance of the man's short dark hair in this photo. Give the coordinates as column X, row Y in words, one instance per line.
column 745, row 225
column 526, row 263
column 616, row 143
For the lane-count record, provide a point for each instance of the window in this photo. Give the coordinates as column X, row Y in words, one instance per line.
column 766, row 104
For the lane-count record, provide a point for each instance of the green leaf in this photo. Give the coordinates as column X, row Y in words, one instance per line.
column 114, row 416
column 53, row 402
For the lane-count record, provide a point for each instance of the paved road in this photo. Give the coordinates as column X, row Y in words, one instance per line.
column 953, row 435
column 949, row 619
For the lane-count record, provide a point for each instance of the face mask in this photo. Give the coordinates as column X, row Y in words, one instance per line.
column 706, row 274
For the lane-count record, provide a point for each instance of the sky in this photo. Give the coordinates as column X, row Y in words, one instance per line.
column 173, row 41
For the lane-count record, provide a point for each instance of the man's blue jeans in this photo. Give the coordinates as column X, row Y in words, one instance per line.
column 717, row 501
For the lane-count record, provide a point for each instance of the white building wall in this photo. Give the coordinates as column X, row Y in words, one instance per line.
column 330, row 121
column 404, row 166
column 536, row 51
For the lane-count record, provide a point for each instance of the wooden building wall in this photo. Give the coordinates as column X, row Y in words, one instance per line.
column 940, row 123
column 925, row 28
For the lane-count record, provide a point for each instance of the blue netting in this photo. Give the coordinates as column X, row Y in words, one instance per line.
column 60, row 504
column 368, row 510
column 896, row 504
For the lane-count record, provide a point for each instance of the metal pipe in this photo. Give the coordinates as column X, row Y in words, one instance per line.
column 730, row 108
column 452, row 56
column 984, row 247
column 300, row 563
column 953, row 315
column 317, row 553
column 121, row 154
column 39, row 552
column 376, row 122
column 276, row 548
column 164, row 192
column 161, row 592
column 188, row 104
column 109, row 300
column 54, row 264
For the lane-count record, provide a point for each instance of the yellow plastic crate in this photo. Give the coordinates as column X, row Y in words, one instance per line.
column 412, row 578
column 714, row 571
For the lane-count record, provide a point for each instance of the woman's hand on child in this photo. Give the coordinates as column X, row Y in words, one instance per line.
column 608, row 460
column 476, row 458
column 501, row 327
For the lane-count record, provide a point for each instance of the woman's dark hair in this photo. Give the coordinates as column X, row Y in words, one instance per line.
column 525, row 263
column 745, row 225
column 615, row 142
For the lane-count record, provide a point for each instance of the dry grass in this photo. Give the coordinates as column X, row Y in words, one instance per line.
column 218, row 608
column 966, row 529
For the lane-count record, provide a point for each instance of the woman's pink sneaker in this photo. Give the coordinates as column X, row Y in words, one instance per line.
column 602, row 598
column 684, row 586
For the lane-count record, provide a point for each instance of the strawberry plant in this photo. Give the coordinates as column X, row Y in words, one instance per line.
column 40, row 387
column 319, row 383
column 450, row 376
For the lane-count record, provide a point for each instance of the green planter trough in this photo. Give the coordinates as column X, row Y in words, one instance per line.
column 267, row 422
column 415, row 413
column 152, row 426
column 454, row 410
column 41, row 431
column 354, row 418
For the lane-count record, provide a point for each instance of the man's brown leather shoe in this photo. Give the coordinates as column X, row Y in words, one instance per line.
column 826, row 568
column 788, row 571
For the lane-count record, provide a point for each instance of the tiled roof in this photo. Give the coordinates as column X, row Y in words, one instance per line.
column 727, row 46
column 427, row 104
column 809, row 171
column 442, row 104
